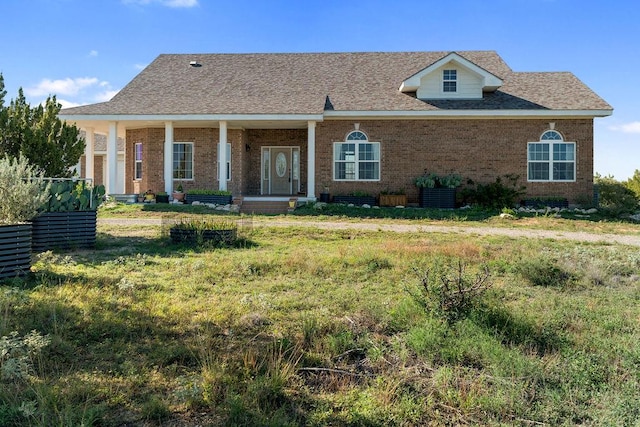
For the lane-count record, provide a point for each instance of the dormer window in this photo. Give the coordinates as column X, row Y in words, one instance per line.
column 451, row 77
column 449, row 81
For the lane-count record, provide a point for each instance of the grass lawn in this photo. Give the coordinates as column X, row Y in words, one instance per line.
column 301, row 326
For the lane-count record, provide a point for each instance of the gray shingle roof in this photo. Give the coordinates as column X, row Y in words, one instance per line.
column 299, row 83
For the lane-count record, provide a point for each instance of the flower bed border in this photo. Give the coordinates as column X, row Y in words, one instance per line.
column 15, row 250
column 64, row 230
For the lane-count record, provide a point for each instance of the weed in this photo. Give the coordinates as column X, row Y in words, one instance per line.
column 154, row 409
column 449, row 292
column 546, row 272
column 19, row 355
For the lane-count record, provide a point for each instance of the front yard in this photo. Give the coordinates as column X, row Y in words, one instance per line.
column 304, row 326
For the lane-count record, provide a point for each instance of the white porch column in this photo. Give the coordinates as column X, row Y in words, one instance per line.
column 311, row 159
column 112, row 158
column 168, row 157
column 222, row 159
column 89, row 153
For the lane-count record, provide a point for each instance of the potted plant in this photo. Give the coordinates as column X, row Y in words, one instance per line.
column 393, row 198
column 68, row 219
column 216, row 197
column 149, row 196
column 438, row 191
column 162, row 197
column 22, row 191
column 325, row 196
column 178, row 194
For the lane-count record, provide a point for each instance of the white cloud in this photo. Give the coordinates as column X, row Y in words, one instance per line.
column 71, row 92
column 93, row 53
column 633, row 127
column 140, row 67
column 105, row 96
column 168, row 3
column 68, row 86
column 68, row 104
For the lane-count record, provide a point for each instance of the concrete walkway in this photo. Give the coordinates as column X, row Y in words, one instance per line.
column 581, row 236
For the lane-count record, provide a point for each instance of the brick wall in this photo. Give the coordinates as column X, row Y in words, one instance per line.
column 477, row 149
column 205, row 157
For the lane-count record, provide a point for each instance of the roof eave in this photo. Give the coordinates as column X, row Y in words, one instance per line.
column 189, row 117
column 501, row 114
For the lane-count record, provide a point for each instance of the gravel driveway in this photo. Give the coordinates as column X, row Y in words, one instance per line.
column 581, row 236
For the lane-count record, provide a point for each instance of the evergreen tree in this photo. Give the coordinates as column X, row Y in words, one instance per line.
column 48, row 143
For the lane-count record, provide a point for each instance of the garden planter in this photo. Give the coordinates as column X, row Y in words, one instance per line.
column 543, row 203
column 15, row 250
column 325, row 197
column 356, row 200
column 441, row 198
column 64, row 230
column 209, row 198
column 393, row 200
column 162, row 198
column 178, row 196
column 196, row 236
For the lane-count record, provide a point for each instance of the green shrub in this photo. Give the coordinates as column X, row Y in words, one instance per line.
column 22, row 190
column 633, row 183
column 504, row 192
column 615, row 196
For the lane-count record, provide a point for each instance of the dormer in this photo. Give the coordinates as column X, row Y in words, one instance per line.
column 451, row 77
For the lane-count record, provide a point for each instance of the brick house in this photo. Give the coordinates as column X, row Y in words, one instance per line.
column 293, row 124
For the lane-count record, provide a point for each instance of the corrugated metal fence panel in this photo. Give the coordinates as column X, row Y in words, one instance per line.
column 64, row 230
column 15, row 250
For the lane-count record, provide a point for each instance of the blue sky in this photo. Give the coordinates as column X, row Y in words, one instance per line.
column 84, row 51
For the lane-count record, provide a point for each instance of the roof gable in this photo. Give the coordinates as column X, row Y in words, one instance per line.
column 475, row 76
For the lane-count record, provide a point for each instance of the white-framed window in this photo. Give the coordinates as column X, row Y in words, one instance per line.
column 183, row 160
column 449, row 80
column 551, row 158
column 137, row 168
column 228, row 162
column 356, row 159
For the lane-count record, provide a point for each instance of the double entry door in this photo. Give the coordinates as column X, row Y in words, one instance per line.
column 280, row 171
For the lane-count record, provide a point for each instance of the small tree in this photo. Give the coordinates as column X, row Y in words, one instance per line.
column 633, row 183
column 23, row 190
column 38, row 134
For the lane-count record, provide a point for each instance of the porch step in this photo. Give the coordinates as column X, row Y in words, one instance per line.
column 269, row 207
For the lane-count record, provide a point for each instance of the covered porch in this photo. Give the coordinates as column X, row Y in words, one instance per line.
column 249, row 157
